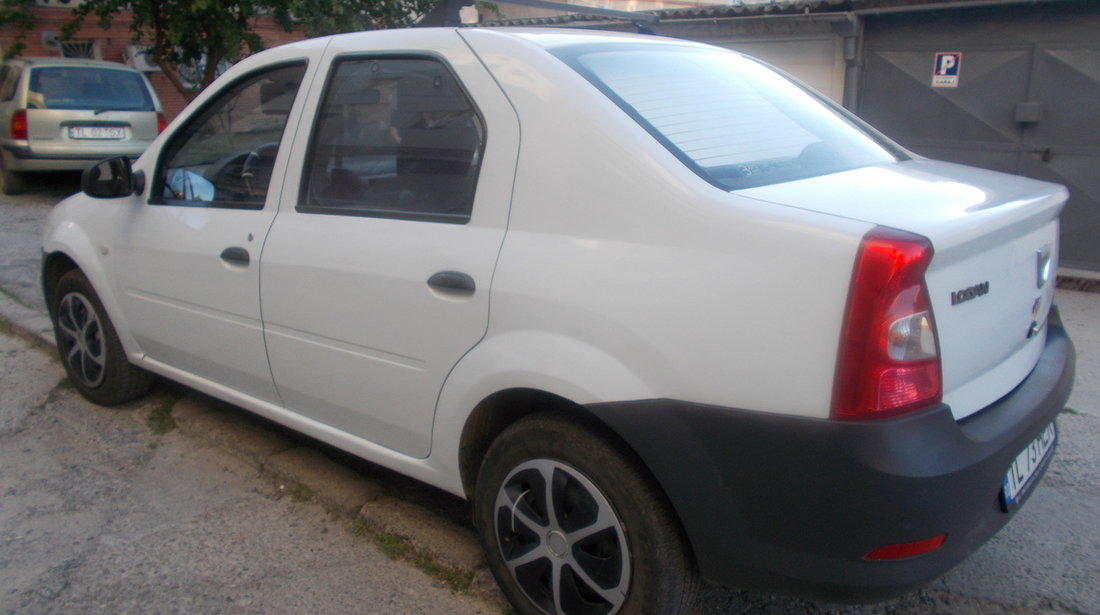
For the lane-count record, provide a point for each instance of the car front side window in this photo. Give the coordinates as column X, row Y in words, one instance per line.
column 226, row 155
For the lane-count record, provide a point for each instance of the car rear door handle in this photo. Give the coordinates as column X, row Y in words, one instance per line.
column 453, row 283
column 236, row 256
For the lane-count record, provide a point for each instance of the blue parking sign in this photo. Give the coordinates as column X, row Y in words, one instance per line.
column 945, row 72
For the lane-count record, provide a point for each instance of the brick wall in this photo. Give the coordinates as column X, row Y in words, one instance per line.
column 113, row 41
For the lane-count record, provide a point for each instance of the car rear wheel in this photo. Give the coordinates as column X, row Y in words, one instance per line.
column 570, row 526
column 90, row 348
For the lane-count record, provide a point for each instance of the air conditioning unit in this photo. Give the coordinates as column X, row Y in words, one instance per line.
column 49, row 40
column 139, row 57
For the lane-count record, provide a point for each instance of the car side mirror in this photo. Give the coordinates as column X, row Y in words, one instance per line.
column 112, row 178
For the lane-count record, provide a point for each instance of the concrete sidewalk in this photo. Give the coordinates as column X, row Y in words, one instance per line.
column 1081, row 314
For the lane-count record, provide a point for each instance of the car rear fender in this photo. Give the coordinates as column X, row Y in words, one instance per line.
column 550, row 362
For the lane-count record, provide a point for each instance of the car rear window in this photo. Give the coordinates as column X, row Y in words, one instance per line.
column 733, row 120
column 84, row 87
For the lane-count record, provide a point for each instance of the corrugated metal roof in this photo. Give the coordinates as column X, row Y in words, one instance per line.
column 746, row 8
column 739, row 9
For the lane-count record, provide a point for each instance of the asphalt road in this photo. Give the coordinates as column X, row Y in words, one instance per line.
column 98, row 514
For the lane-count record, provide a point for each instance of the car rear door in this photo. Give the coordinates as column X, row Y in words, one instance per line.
column 376, row 273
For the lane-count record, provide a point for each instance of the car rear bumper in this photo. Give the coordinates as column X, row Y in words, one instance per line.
column 793, row 504
column 23, row 159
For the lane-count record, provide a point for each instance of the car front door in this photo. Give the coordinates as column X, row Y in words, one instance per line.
column 187, row 259
column 376, row 273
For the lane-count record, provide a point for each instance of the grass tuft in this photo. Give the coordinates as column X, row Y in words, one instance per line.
column 160, row 419
column 394, row 546
column 299, row 493
column 398, row 547
column 452, row 578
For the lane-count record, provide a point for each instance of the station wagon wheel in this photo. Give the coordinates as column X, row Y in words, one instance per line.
column 10, row 182
column 571, row 526
column 89, row 347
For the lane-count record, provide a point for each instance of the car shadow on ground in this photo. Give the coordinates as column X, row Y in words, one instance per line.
column 55, row 184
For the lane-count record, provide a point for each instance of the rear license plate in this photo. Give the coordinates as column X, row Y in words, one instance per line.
column 97, row 132
column 1019, row 477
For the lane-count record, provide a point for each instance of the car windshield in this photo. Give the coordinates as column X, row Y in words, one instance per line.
column 87, row 87
column 731, row 119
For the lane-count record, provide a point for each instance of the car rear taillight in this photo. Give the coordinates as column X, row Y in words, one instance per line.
column 162, row 123
column 19, row 124
column 889, row 361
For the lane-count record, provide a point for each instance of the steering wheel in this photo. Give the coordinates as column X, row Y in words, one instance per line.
column 235, row 176
column 252, row 162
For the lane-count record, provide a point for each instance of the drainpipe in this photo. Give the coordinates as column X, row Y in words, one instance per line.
column 852, row 35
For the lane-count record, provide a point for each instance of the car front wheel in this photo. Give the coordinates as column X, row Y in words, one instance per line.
column 571, row 526
column 90, row 348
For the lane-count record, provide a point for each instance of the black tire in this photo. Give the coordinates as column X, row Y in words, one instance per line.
column 570, row 526
column 89, row 347
column 11, row 183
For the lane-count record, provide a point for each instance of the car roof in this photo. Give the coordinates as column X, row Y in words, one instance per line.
column 55, row 61
column 542, row 37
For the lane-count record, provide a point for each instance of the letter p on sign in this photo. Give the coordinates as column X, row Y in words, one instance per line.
column 945, row 72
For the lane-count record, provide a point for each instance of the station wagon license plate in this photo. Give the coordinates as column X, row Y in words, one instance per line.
column 97, row 132
column 1017, row 480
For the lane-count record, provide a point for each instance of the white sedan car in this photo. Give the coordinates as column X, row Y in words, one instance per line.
column 661, row 314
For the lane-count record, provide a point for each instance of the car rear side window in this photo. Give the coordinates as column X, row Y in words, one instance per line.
column 396, row 137
column 87, row 87
column 735, row 122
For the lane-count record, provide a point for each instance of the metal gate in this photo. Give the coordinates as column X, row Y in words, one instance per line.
column 1016, row 90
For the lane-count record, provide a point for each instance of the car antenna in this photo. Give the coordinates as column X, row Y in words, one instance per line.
column 446, row 13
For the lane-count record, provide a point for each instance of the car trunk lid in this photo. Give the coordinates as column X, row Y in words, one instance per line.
column 991, row 280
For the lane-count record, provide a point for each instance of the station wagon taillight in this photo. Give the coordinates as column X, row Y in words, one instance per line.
column 162, row 123
column 889, row 361
column 19, row 124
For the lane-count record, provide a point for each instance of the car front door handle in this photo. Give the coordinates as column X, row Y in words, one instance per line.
column 453, row 283
column 236, row 256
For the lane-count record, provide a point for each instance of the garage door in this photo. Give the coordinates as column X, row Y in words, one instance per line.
column 817, row 62
column 1014, row 90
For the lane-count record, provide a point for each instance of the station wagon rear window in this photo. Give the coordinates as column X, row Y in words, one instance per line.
column 732, row 120
column 87, row 87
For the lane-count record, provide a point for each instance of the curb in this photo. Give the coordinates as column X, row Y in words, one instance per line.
column 26, row 322
column 306, row 472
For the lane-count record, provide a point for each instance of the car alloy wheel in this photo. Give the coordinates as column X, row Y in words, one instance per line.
column 572, row 524
column 80, row 338
column 90, row 348
column 561, row 540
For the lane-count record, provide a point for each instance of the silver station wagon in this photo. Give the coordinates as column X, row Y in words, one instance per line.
column 63, row 114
